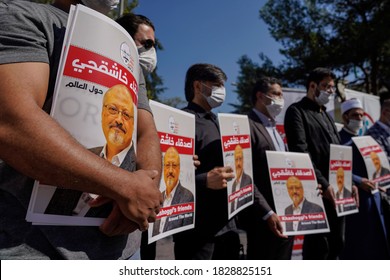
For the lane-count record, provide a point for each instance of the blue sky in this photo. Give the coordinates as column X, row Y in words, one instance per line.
column 207, row 31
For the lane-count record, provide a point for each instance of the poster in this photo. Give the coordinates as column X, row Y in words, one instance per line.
column 375, row 159
column 294, row 188
column 176, row 131
column 95, row 100
column 340, row 178
column 237, row 153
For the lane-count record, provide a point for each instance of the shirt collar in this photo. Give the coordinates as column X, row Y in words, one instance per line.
column 266, row 121
column 118, row 158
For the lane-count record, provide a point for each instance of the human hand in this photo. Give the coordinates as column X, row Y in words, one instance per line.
column 196, row 161
column 355, row 195
column 218, row 177
column 117, row 224
column 275, row 226
column 140, row 201
column 329, row 195
column 367, row 186
column 320, row 191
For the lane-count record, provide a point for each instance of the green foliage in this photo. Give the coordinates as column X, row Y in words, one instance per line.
column 352, row 37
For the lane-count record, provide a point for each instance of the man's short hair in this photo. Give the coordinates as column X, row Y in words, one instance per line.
column 318, row 74
column 263, row 84
column 384, row 99
column 202, row 72
column 131, row 22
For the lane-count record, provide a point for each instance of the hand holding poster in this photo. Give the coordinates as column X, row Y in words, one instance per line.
column 237, row 153
column 95, row 100
column 176, row 131
column 340, row 178
column 374, row 157
column 294, row 188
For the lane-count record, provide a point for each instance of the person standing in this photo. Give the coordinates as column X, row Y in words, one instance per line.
column 369, row 223
column 46, row 152
column 265, row 238
column 204, row 91
column 310, row 129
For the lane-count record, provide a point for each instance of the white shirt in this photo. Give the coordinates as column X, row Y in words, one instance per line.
column 167, row 202
column 270, row 125
column 297, row 211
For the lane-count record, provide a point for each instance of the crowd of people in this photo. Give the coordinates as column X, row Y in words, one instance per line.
column 35, row 147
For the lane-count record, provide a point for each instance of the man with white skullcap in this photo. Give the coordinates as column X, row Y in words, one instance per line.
column 352, row 114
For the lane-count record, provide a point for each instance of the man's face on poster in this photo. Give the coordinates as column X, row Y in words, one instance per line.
column 376, row 161
column 295, row 190
column 340, row 178
column 118, row 117
column 238, row 161
column 171, row 167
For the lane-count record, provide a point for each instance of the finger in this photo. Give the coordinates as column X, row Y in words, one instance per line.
column 143, row 226
column 111, row 222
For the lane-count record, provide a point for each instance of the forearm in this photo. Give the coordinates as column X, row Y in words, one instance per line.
column 38, row 147
column 148, row 145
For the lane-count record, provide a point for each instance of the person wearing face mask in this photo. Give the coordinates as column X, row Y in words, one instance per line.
column 37, row 154
column 369, row 224
column 352, row 113
column 380, row 130
column 264, row 231
column 214, row 235
column 310, row 129
column 142, row 30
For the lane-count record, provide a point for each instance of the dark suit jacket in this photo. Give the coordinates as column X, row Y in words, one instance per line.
column 64, row 201
column 262, row 243
column 310, row 131
column 182, row 195
column 307, row 207
column 346, row 194
column 384, row 171
column 246, row 180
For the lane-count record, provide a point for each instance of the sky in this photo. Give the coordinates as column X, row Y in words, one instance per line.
column 218, row 32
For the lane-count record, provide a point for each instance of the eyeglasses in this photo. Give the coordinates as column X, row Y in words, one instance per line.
column 148, row 44
column 112, row 110
column 328, row 87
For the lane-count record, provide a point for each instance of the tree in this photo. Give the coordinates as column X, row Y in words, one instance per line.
column 249, row 72
column 350, row 36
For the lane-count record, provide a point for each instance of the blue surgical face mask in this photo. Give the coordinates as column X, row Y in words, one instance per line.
column 217, row 96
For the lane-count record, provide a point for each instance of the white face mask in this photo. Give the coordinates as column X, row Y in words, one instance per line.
column 217, row 96
column 147, row 59
column 323, row 98
column 102, row 6
column 275, row 107
column 355, row 125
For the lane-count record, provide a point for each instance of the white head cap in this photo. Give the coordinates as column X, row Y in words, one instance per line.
column 352, row 103
column 102, row 6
